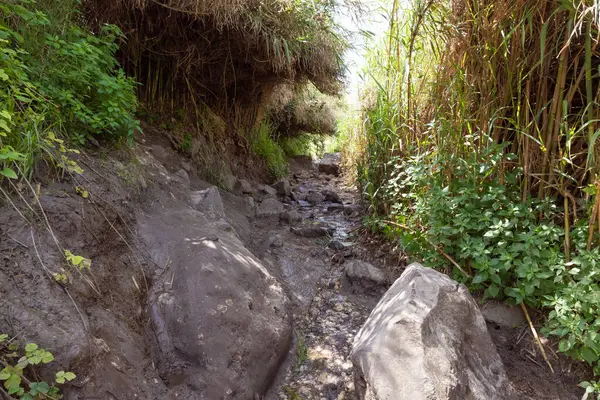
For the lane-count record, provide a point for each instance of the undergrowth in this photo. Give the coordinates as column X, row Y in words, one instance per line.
column 477, row 149
column 265, row 147
column 58, row 81
column 18, row 362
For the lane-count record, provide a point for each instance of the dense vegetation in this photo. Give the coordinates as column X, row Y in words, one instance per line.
column 58, row 81
column 478, row 151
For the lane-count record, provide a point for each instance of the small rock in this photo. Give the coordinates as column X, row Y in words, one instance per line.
column 339, row 245
column 290, row 217
column 228, row 182
column 209, row 202
column 315, row 197
column 275, row 242
column 269, row 207
column 330, row 195
column 243, row 186
column 335, row 207
column 298, row 196
column 186, row 166
column 353, row 209
column 283, row 187
column 265, row 192
column 361, row 270
column 303, row 203
column 312, row 231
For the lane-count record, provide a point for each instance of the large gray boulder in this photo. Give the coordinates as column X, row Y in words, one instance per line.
column 330, row 163
column 220, row 320
column 426, row 339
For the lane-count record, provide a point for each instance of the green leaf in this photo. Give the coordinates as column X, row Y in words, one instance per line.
column 4, row 374
column 3, row 75
column 492, row 291
column 30, row 347
column 9, row 173
column 589, row 355
column 3, row 337
column 47, row 357
column 62, row 377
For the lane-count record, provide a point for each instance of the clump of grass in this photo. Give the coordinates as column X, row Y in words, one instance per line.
column 265, row 147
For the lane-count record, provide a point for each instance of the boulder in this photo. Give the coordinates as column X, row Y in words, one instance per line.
column 330, row 195
column 426, row 339
column 315, row 198
column 269, row 207
column 209, row 202
column 364, row 273
column 220, row 320
column 283, row 187
column 330, row 164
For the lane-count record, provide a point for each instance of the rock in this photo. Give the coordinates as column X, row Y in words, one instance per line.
column 502, row 314
column 330, row 195
column 339, row 245
column 426, row 339
column 303, row 203
column 330, row 164
column 315, row 197
column 209, row 202
column 269, row 207
column 290, row 217
column 243, row 186
column 335, row 207
column 228, row 182
column 357, row 270
column 265, row 192
column 298, row 196
column 283, row 187
column 220, row 320
column 312, row 231
column 353, row 209
column 275, row 242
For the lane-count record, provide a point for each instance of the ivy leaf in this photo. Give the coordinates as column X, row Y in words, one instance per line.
column 30, row 347
column 47, row 357
column 62, row 377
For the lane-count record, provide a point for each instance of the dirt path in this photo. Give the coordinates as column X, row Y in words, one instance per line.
column 328, row 308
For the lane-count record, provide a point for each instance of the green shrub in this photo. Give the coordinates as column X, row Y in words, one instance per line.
column 513, row 249
column 264, row 146
column 57, row 81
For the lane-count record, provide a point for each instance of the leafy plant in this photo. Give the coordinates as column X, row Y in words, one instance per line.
column 57, row 81
column 265, row 147
column 18, row 361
